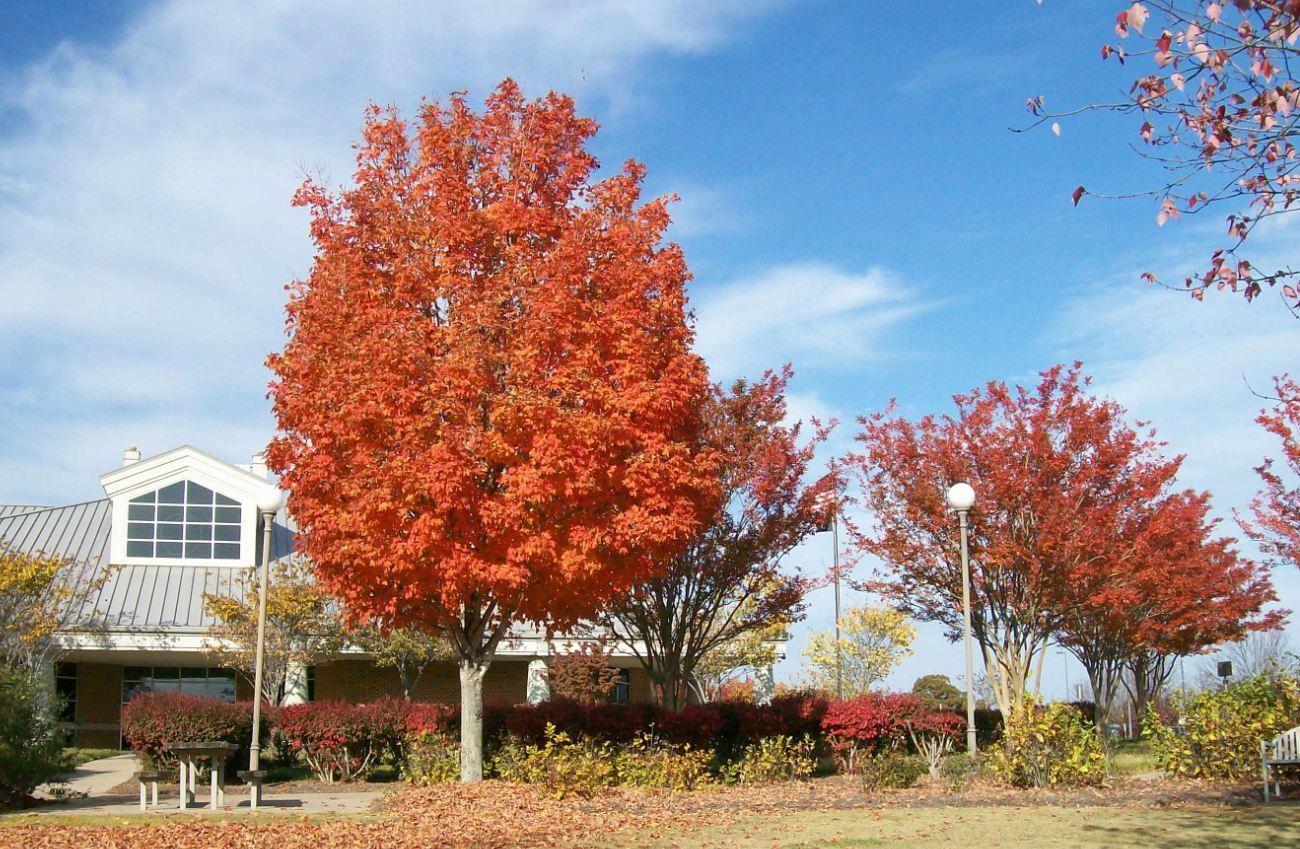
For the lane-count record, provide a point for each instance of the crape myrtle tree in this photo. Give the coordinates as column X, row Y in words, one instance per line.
column 729, row 581
column 1212, row 92
column 488, row 405
column 1171, row 587
column 1058, row 472
column 1275, row 519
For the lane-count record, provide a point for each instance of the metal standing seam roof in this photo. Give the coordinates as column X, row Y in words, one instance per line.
column 130, row 597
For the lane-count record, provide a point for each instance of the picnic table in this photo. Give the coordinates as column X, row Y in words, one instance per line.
column 189, row 755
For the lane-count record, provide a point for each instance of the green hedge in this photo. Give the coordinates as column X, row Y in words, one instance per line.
column 1219, row 731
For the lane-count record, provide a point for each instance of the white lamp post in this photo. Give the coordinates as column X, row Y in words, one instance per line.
column 961, row 498
column 269, row 502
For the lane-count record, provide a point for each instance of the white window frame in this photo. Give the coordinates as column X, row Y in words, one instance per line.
column 183, row 464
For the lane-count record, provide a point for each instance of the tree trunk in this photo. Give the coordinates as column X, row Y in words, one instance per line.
column 471, row 719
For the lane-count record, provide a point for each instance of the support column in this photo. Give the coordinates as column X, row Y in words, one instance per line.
column 764, row 684
column 295, row 684
column 538, row 690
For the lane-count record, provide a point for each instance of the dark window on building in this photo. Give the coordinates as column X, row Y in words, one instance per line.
column 194, row 680
column 622, row 694
column 65, row 684
column 311, row 683
column 184, row 520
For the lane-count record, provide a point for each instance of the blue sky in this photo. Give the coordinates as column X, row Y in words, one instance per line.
column 853, row 202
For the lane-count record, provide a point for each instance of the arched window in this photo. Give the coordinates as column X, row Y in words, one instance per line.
column 183, row 520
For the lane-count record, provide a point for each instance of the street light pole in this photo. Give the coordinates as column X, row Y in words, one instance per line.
column 269, row 502
column 961, row 498
column 839, row 659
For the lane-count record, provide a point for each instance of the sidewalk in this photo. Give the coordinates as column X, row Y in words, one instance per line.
column 93, row 778
column 348, row 802
column 91, row 783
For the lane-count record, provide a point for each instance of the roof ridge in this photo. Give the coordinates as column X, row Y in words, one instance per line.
column 48, row 509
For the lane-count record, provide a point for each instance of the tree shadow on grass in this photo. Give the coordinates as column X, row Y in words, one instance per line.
column 1265, row 827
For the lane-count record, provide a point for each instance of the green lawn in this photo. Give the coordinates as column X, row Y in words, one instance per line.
column 75, row 756
column 993, row 826
column 1132, row 756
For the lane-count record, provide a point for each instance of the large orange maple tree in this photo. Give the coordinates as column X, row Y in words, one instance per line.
column 488, row 405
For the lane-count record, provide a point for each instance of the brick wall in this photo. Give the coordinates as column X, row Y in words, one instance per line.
column 99, row 705
column 359, row 680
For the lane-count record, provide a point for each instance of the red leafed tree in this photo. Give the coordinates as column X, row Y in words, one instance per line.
column 1169, row 588
column 1214, row 101
column 728, row 585
column 1058, row 473
column 488, row 406
column 1276, row 510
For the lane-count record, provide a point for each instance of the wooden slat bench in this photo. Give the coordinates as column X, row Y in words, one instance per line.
column 1282, row 750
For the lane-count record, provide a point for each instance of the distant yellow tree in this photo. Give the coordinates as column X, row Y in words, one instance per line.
column 303, row 626
column 36, row 594
column 873, row 641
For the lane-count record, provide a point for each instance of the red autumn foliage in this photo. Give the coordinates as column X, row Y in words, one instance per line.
column 150, row 720
column 1217, row 104
column 730, row 580
column 1077, row 533
column 1275, row 523
column 584, row 675
column 488, row 406
column 873, row 722
column 340, row 740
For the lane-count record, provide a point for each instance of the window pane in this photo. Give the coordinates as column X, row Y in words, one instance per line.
column 227, row 533
column 173, row 494
column 226, row 551
column 198, row 532
column 168, row 549
column 229, row 515
column 134, row 673
column 229, row 502
column 166, row 673
column 167, row 513
column 222, row 688
column 139, row 530
column 198, row 549
column 197, row 494
column 198, row 514
column 169, row 531
column 139, row 549
column 140, row 511
column 147, row 498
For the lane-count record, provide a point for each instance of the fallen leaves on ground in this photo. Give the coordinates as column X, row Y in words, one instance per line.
column 495, row 815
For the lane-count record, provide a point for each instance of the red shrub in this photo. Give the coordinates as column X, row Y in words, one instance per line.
column 871, row 723
column 151, row 720
column 528, row 722
column 341, row 740
column 698, row 725
column 431, row 716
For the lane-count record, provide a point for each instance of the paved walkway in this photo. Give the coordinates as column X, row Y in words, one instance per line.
column 93, row 778
column 350, row 802
column 86, row 790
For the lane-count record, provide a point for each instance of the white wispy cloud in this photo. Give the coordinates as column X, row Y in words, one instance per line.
column 811, row 314
column 1192, row 370
column 145, row 229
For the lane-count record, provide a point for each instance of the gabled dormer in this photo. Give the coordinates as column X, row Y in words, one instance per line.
column 183, row 507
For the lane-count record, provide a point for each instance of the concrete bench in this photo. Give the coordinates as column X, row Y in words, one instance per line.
column 1282, row 750
column 148, row 779
column 254, row 778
